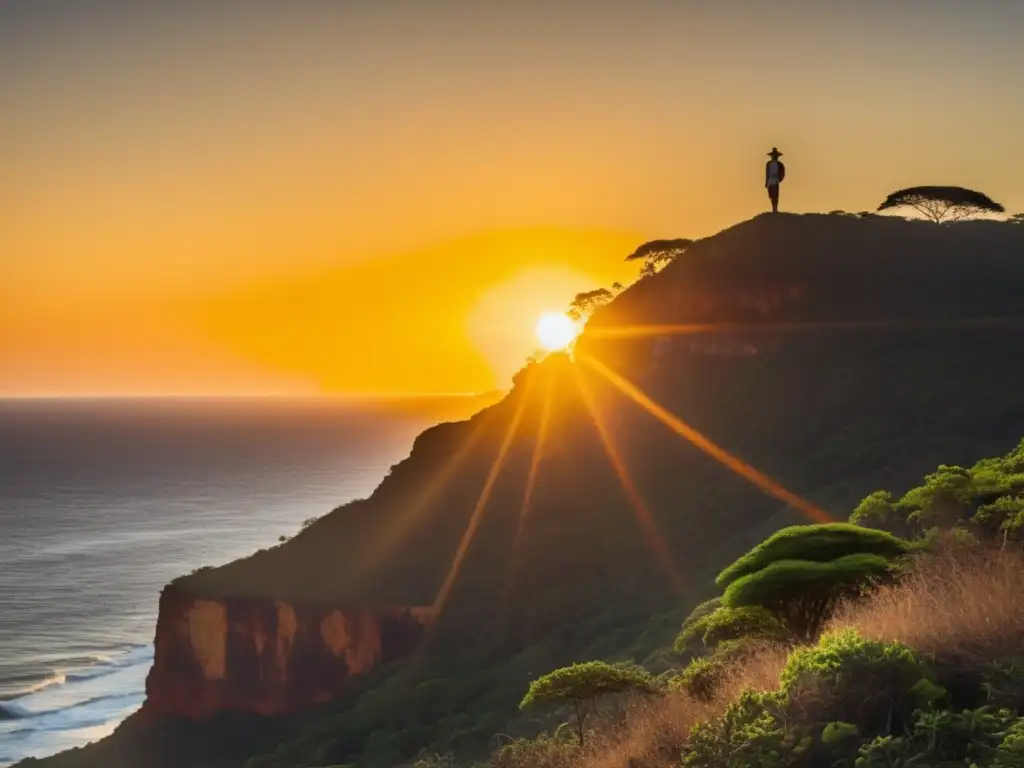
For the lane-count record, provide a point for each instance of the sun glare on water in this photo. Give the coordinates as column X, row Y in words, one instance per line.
column 556, row 330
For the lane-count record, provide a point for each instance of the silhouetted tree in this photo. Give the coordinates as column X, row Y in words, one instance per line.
column 1017, row 218
column 940, row 204
column 585, row 303
column 582, row 685
column 658, row 253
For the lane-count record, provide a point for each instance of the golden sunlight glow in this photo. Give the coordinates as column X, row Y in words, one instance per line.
column 556, row 330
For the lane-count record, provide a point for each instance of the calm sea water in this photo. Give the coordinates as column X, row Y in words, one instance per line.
column 104, row 502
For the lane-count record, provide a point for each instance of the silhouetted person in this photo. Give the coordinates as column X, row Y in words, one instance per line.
column 774, row 173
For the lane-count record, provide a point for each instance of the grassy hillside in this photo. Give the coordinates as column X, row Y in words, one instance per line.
column 923, row 670
column 880, row 348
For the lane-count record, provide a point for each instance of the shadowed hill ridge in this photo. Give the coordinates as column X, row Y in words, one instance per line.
column 930, row 374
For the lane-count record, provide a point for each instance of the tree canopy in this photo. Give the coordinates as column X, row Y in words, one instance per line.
column 940, row 204
column 582, row 685
column 817, row 543
column 657, row 253
column 986, row 499
column 802, row 592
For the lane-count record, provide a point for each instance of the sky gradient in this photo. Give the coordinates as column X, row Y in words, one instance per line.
column 380, row 196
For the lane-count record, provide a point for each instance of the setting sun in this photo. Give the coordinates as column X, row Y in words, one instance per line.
column 556, row 330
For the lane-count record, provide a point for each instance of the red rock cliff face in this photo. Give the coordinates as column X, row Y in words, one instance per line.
column 267, row 657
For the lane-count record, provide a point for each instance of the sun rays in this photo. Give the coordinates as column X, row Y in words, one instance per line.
column 699, row 441
column 553, row 379
column 653, row 330
column 643, row 515
column 535, row 459
column 481, row 504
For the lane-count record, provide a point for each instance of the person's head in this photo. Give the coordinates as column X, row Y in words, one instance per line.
column 775, row 154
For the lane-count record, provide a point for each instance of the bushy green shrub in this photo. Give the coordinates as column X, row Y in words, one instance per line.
column 1011, row 750
column 752, row 733
column 850, row 678
column 694, row 626
column 988, row 498
column 941, row 739
column 702, row 677
column 745, row 621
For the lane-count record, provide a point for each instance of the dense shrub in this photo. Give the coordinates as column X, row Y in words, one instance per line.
column 745, row 621
column 876, row 686
column 988, row 497
column 695, row 624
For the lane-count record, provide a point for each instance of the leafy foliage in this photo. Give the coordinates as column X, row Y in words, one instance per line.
column 987, row 499
column 695, row 624
column 942, row 203
column 874, row 685
column 802, row 592
column 746, row 621
column 818, row 543
column 582, row 685
column 753, row 732
column 702, row 677
column 942, row 739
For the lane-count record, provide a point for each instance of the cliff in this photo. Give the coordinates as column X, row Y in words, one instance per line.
column 835, row 354
column 267, row 657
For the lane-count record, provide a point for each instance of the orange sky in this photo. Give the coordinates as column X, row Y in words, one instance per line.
column 381, row 197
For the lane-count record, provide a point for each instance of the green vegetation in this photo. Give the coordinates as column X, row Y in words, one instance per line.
column 582, row 686
column 829, row 414
column 985, row 501
column 818, row 543
column 800, row 573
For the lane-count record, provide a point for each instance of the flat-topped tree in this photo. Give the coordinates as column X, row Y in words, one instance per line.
column 582, row 685
column 658, row 253
column 941, row 204
column 800, row 573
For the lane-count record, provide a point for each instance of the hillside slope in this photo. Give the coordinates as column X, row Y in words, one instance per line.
column 825, row 410
column 835, row 354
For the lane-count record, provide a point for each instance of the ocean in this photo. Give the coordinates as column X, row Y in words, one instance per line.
column 102, row 502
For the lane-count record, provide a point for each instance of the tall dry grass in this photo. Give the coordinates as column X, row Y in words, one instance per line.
column 961, row 608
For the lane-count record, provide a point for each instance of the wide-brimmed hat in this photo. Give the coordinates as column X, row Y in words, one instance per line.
column 775, row 152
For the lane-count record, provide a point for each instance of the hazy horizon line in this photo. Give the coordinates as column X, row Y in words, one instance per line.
column 248, row 396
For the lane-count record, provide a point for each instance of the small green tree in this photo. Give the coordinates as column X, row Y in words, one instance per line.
column 940, row 204
column 658, row 253
column 581, row 686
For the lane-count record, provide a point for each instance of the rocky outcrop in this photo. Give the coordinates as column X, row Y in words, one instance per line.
column 267, row 657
